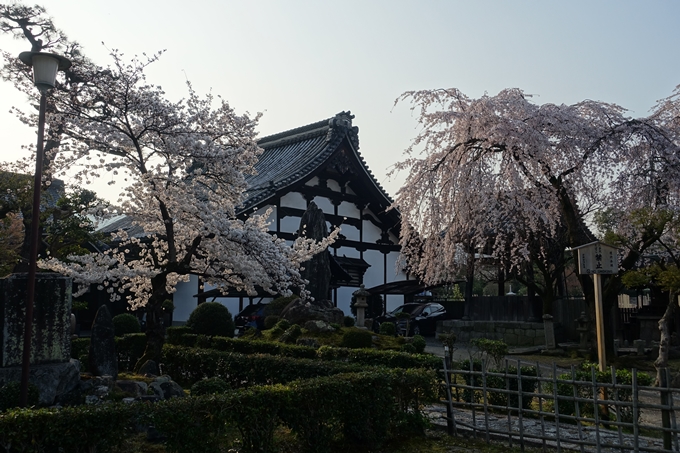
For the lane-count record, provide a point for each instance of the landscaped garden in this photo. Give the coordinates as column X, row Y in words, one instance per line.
column 350, row 389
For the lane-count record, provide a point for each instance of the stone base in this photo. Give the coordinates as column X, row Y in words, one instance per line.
column 53, row 380
column 512, row 332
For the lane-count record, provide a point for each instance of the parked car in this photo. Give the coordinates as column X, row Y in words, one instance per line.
column 423, row 319
column 252, row 316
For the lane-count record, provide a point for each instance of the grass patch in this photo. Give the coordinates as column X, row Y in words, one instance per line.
column 285, row 442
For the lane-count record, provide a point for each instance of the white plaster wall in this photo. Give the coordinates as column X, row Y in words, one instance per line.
column 183, row 300
column 349, row 210
column 350, row 191
column 333, row 185
column 371, row 232
column 294, row 200
column 345, row 298
column 374, row 274
column 351, row 232
column 349, row 252
column 290, row 224
column 324, row 204
column 312, row 182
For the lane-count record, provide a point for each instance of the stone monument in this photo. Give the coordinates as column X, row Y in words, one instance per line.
column 51, row 368
column 317, row 271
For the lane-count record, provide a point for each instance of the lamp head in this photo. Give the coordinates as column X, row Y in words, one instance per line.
column 45, row 66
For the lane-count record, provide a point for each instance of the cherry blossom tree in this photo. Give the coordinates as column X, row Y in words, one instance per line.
column 181, row 166
column 643, row 218
column 520, row 180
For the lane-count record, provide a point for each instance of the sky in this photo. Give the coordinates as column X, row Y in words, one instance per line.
column 301, row 61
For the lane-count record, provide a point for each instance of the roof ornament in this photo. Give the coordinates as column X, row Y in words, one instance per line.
column 342, row 122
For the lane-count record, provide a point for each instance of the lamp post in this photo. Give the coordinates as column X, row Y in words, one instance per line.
column 45, row 66
column 361, row 305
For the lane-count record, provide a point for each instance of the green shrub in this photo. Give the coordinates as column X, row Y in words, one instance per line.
column 419, row 343
column 584, row 389
column 494, row 350
column 129, row 348
column 125, row 323
column 504, row 380
column 409, row 348
column 356, row 408
column 80, row 347
column 291, row 334
column 283, row 324
column 508, row 381
column 209, row 386
column 348, row 321
column 277, row 305
column 388, row 328
column 270, row 321
column 175, row 333
column 211, row 318
column 335, row 325
column 10, row 395
column 357, row 339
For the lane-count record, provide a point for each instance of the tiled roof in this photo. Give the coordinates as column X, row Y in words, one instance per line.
column 293, row 155
column 290, row 157
column 125, row 223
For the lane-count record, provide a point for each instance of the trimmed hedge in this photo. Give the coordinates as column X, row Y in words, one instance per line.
column 78, row 429
column 372, row 357
column 368, row 408
column 129, row 349
column 242, row 346
column 377, row 357
column 189, row 365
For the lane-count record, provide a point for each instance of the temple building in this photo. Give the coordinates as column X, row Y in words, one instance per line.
column 321, row 163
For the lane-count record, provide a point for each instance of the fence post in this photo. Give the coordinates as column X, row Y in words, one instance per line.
column 450, row 424
column 664, row 385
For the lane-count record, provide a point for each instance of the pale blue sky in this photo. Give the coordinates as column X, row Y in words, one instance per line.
column 301, row 61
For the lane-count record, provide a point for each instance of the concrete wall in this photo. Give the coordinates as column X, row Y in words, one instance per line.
column 512, row 332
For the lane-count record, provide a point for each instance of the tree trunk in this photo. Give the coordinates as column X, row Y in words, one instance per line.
column 155, row 330
column 665, row 342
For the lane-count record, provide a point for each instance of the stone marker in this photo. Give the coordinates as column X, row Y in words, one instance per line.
column 549, row 328
column 317, row 270
column 103, row 359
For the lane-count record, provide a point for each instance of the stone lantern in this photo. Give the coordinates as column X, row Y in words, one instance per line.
column 361, row 304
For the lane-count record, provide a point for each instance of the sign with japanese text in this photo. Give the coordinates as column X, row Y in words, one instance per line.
column 597, row 258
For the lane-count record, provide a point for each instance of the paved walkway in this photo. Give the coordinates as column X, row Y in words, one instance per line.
column 533, row 429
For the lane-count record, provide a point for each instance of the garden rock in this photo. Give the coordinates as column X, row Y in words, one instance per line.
column 299, row 312
column 55, row 381
column 135, row 388
column 103, row 359
column 166, row 388
column 149, row 368
column 318, row 327
column 309, row 342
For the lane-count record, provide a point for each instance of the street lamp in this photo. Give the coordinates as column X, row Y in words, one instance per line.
column 45, row 66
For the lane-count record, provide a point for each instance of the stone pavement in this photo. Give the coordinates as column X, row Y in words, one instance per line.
column 533, row 430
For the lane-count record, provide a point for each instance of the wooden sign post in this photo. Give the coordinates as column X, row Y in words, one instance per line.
column 598, row 258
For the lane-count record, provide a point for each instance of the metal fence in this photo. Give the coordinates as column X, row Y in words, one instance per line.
column 541, row 406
